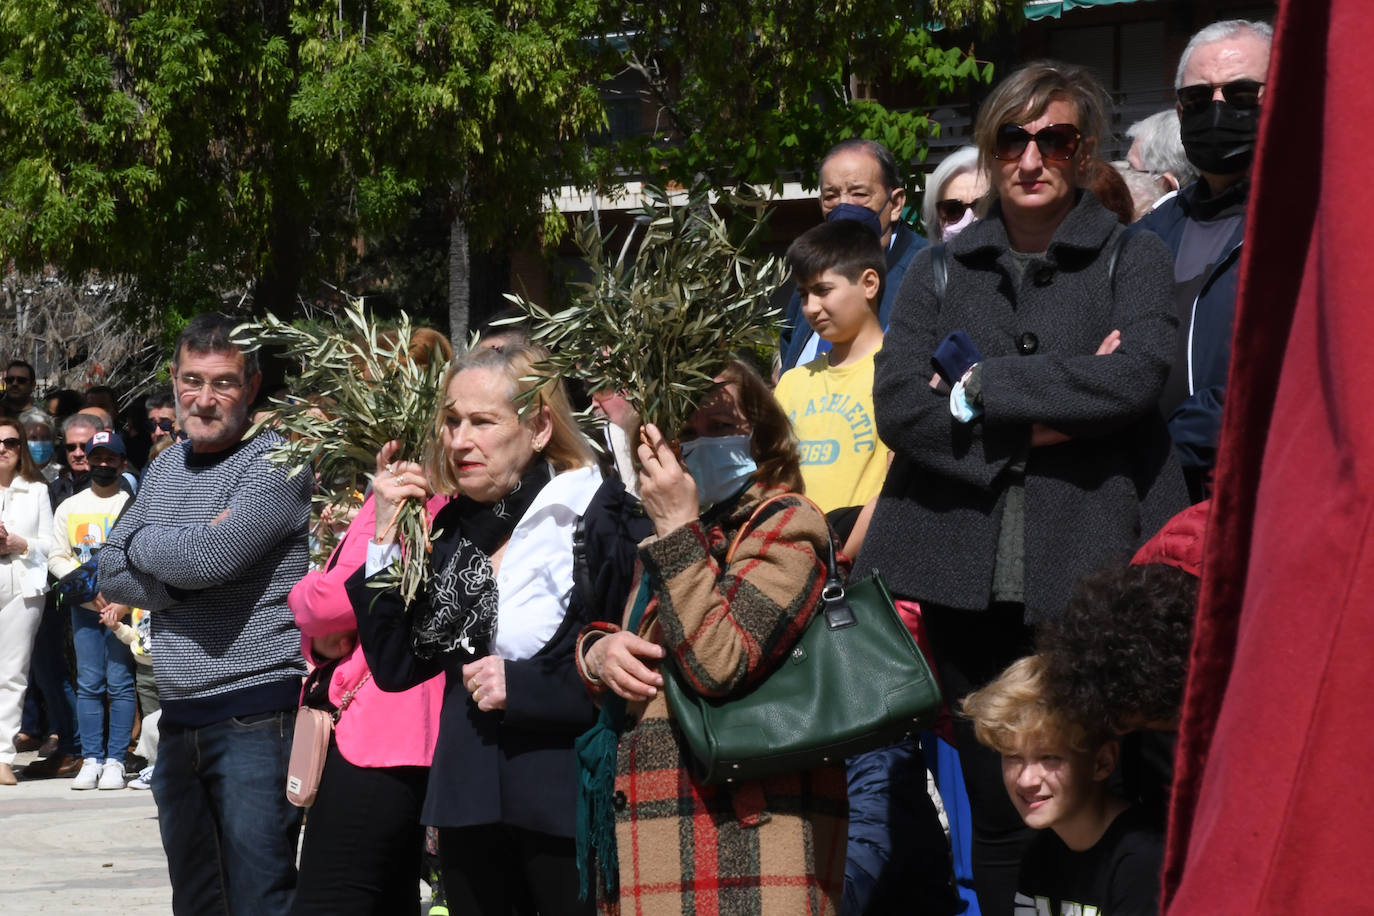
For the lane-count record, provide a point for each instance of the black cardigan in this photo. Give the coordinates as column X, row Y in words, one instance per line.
column 517, row 766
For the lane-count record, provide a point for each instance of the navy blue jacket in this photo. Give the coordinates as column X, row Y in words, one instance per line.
column 796, row 332
column 1195, row 424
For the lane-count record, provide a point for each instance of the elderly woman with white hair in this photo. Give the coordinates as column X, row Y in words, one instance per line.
column 952, row 194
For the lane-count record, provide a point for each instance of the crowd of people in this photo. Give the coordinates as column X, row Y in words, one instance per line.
column 1013, row 419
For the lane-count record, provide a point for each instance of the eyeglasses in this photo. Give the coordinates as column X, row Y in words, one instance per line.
column 1240, row 93
column 1057, row 142
column 952, row 209
column 18, row 380
column 221, row 387
column 73, row 446
column 12, row 443
column 163, row 424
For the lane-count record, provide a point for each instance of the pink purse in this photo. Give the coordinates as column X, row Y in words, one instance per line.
column 309, row 747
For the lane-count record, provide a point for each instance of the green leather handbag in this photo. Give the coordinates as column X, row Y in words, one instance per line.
column 855, row 681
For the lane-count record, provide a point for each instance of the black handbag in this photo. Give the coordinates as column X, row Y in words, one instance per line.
column 855, row 681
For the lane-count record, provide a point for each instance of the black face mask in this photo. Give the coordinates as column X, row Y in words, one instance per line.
column 103, row 476
column 1219, row 138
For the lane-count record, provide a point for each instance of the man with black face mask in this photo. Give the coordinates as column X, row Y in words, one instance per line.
column 1220, row 87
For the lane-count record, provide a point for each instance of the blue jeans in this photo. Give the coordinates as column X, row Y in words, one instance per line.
column 103, row 664
column 227, row 829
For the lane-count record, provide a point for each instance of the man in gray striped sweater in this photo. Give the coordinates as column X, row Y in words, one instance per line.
column 212, row 546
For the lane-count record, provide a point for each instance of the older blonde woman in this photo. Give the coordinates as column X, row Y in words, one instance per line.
column 500, row 619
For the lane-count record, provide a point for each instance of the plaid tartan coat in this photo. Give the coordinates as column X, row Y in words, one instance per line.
column 770, row 847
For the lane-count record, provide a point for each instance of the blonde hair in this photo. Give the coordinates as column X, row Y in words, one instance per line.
column 1015, row 709
column 566, row 449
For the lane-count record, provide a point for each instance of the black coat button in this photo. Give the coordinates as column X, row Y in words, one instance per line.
column 1027, row 343
column 619, row 801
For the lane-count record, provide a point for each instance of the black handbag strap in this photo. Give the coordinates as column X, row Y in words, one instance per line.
column 939, row 268
column 838, row 613
column 582, row 575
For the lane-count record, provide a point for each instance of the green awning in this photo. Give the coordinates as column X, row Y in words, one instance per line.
column 1041, row 9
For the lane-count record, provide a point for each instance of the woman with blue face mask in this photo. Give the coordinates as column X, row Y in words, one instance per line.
column 727, row 622
column 38, row 427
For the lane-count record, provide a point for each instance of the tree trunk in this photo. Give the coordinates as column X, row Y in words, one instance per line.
column 459, row 283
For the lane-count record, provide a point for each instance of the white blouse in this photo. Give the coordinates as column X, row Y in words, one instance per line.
column 536, row 575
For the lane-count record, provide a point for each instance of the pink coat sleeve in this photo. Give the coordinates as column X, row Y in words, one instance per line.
column 319, row 602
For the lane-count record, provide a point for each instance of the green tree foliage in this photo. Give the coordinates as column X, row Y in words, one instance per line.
column 750, row 89
column 208, row 149
column 204, row 147
column 151, row 140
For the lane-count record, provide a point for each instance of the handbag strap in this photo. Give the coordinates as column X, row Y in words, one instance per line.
column 347, row 698
column 838, row 613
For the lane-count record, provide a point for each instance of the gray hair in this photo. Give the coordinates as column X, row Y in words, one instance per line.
column 35, row 415
column 80, row 419
column 964, row 159
column 887, row 163
column 1161, row 146
column 213, row 332
column 1144, row 188
column 1220, row 31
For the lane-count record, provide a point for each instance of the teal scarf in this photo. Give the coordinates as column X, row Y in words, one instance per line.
column 596, row 753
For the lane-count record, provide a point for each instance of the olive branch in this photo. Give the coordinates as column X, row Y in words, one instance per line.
column 659, row 320
column 366, row 390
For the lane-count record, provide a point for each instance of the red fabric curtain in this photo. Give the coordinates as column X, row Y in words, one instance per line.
column 1273, row 808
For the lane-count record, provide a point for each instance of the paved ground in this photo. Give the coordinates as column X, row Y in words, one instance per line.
column 79, row 852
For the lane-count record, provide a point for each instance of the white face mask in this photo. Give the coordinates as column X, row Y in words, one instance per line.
column 721, row 466
column 953, row 229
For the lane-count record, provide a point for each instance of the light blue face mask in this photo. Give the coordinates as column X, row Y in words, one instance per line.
column 41, row 450
column 721, row 466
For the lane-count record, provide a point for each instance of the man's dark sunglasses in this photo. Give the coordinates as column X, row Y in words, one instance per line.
column 164, row 424
column 18, row 380
column 73, row 446
column 1240, row 93
column 952, row 209
column 1057, row 141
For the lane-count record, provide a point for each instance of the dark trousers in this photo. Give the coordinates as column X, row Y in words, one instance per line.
column 48, row 673
column 227, row 829
column 495, row 870
column 971, row 648
column 363, row 840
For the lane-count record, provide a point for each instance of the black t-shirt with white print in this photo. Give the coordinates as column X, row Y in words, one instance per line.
column 1118, row 876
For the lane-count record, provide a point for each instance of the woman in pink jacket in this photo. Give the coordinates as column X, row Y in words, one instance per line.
column 363, row 838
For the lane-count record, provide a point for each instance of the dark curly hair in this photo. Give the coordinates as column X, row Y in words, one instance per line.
column 1119, row 653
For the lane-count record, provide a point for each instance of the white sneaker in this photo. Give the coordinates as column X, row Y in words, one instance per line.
column 89, row 775
column 112, row 775
column 144, row 780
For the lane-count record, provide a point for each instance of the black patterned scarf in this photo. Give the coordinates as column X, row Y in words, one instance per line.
column 461, row 611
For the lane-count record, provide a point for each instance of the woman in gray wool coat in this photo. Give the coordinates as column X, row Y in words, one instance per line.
column 1047, row 459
